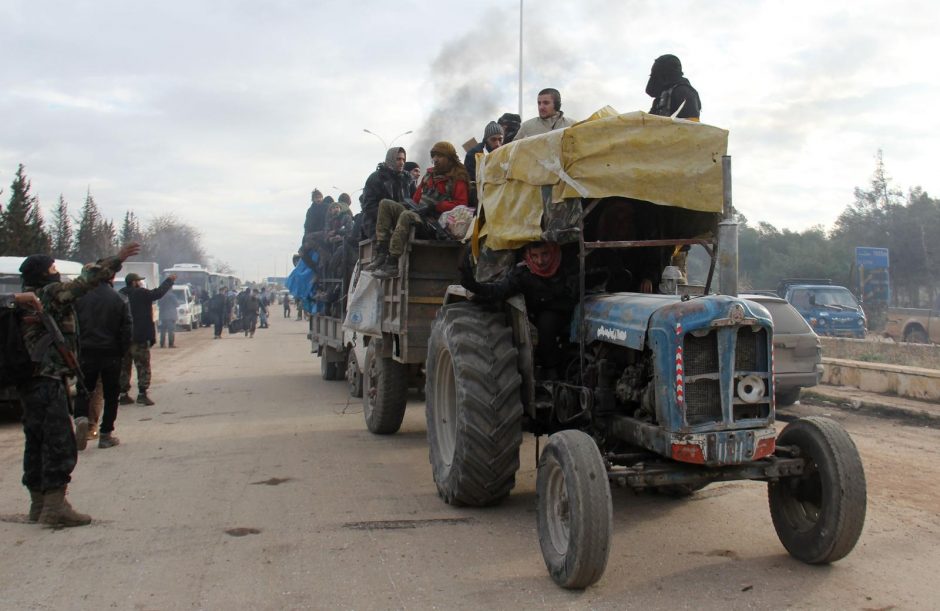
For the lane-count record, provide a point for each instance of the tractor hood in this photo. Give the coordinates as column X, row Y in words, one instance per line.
column 625, row 319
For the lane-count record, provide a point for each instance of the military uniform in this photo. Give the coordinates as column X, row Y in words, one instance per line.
column 50, row 452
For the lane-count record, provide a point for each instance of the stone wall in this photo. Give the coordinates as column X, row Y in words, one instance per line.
column 880, row 351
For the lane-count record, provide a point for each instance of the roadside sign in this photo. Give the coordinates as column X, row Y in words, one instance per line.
column 872, row 258
column 873, row 274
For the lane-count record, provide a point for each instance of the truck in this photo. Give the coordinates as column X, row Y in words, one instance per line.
column 914, row 325
column 380, row 367
column 188, row 308
column 668, row 391
column 829, row 309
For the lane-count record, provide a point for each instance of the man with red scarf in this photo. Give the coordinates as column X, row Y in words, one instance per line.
column 444, row 187
column 550, row 292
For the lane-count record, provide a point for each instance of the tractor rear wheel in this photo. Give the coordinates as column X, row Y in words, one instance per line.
column 474, row 407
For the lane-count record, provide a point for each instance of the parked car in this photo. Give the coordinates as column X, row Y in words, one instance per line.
column 797, row 350
column 829, row 309
column 189, row 312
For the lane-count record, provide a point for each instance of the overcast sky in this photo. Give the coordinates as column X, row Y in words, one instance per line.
column 228, row 113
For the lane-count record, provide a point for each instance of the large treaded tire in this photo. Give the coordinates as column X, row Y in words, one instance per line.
column 474, row 406
column 353, row 375
column 574, row 510
column 819, row 515
column 384, row 391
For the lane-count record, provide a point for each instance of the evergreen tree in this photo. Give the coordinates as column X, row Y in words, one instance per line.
column 61, row 231
column 86, row 243
column 130, row 230
column 23, row 229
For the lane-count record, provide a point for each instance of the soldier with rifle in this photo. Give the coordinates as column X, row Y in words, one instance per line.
column 50, row 452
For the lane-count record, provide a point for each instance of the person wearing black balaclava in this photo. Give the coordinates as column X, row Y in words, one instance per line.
column 389, row 181
column 671, row 91
column 50, row 451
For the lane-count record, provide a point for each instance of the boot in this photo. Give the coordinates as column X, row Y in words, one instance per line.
column 81, row 432
column 108, row 440
column 389, row 269
column 381, row 255
column 35, row 505
column 57, row 512
column 143, row 399
column 125, row 399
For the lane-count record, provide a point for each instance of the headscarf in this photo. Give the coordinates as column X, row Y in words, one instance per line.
column 35, row 271
column 336, row 212
column 452, row 168
column 666, row 71
column 554, row 261
column 391, row 155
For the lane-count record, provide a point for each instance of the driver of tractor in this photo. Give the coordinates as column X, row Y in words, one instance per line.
column 550, row 292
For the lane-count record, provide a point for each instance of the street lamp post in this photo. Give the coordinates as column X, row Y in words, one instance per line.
column 382, row 140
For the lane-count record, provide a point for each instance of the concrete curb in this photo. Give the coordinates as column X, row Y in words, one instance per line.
column 877, row 405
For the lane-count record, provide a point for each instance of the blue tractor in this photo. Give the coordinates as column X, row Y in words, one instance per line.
column 668, row 391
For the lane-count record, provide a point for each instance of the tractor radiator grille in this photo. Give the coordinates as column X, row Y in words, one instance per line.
column 703, row 402
column 703, row 397
column 749, row 351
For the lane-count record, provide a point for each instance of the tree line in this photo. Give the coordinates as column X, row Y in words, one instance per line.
column 881, row 216
column 90, row 236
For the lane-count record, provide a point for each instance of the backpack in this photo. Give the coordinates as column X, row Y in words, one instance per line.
column 16, row 366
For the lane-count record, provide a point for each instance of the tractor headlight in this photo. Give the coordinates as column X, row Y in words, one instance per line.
column 751, row 388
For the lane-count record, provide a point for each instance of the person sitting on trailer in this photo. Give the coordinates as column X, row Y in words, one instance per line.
column 445, row 186
column 550, row 290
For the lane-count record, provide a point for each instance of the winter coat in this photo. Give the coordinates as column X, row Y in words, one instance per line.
column 104, row 320
column 58, row 299
column 168, row 304
column 141, row 302
column 538, row 125
column 447, row 193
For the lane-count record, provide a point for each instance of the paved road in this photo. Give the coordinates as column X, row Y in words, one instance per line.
column 252, row 484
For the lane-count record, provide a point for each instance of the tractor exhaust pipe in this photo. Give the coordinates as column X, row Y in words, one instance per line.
column 727, row 237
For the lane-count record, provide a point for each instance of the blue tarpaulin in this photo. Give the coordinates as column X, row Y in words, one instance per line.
column 301, row 283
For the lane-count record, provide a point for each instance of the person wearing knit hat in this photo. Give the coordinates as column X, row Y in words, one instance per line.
column 443, row 188
column 672, row 93
column 492, row 140
column 413, row 170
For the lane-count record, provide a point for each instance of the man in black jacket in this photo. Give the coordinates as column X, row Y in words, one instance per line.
column 672, row 92
column 389, row 181
column 144, row 335
column 104, row 322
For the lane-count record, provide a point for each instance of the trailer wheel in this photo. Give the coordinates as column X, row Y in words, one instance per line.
column 787, row 397
column 353, row 375
column 384, row 391
column 474, row 408
column 574, row 509
column 819, row 515
column 329, row 369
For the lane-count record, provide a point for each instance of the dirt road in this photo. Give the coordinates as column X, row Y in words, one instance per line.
column 253, row 484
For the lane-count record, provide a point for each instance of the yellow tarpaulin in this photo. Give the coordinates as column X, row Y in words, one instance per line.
column 636, row 155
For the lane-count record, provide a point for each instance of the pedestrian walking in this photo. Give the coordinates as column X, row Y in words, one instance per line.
column 218, row 307
column 263, row 309
column 285, row 300
column 249, row 309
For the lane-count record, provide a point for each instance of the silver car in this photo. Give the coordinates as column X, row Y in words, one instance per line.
column 797, row 350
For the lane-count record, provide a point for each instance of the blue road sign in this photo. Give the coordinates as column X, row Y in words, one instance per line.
column 871, row 258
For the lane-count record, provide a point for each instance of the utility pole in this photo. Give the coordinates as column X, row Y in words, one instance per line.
column 520, row 58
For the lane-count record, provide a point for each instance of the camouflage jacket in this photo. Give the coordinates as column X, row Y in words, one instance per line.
column 58, row 300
